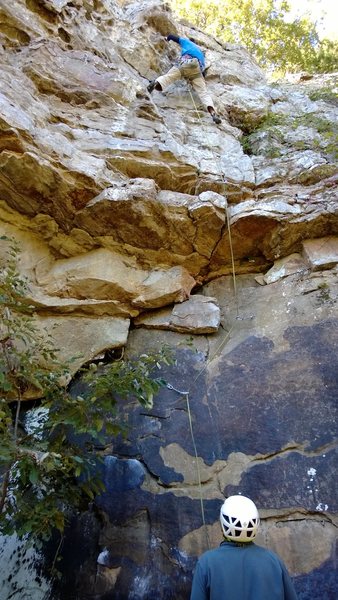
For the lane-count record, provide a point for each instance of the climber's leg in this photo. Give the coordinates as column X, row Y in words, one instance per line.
column 200, row 88
column 162, row 82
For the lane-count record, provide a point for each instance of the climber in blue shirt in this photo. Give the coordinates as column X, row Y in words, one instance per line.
column 239, row 569
column 191, row 67
column 190, row 48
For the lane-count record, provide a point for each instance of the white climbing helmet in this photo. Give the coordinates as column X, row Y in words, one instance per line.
column 239, row 519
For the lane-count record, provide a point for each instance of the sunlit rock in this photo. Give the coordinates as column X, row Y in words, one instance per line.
column 321, row 253
column 284, row 267
column 199, row 314
column 125, row 203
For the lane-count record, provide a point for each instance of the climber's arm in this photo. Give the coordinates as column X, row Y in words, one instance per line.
column 173, row 38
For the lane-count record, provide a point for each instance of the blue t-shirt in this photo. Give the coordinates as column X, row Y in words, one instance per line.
column 189, row 47
column 241, row 572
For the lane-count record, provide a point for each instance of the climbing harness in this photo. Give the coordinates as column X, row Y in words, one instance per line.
column 189, row 68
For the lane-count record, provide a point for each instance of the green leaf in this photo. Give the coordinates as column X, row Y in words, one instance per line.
column 99, row 423
column 33, row 475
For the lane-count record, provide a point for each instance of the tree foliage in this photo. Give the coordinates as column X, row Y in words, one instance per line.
column 52, row 465
column 264, row 27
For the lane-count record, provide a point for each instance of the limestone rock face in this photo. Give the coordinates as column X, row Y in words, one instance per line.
column 82, row 339
column 284, row 267
column 199, row 314
column 321, row 253
column 142, row 223
column 262, row 403
column 104, row 275
column 95, row 161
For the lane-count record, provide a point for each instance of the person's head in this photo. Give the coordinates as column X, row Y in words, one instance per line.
column 239, row 519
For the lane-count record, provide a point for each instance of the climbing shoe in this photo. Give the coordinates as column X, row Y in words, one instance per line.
column 151, row 86
column 216, row 119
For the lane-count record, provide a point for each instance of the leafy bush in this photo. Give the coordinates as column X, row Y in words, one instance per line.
column 51, row 466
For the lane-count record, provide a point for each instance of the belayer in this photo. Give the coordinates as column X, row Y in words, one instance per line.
column 239, row 569
column 191, row 67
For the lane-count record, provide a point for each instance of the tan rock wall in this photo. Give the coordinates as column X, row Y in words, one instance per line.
column 137, row 209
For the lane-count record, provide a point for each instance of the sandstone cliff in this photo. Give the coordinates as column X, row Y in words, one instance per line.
column 134, row 213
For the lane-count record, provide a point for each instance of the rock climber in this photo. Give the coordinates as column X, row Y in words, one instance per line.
column 191, row 67
column 239, row 569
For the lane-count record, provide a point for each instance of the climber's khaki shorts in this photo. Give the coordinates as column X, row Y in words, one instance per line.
column 190, row 70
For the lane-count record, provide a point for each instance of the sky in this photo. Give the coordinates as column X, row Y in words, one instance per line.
column 324, row 11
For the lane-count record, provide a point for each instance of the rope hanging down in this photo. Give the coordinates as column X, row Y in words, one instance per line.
column 197, row 458
column 218, row 349
column 227, row 215
column 199, row 479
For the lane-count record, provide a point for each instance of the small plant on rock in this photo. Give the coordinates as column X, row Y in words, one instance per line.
column 269, row 124
column 324, row 294
column 326, row 94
